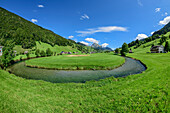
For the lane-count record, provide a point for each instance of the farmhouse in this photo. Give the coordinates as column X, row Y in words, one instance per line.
column 65, row 52
column 25, row 52
column 15, row 52
column 69, row 53
column 1, row 50
column 130, row 51
column 157, row 49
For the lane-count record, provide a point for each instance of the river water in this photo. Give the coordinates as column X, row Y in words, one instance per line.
column 79, row 76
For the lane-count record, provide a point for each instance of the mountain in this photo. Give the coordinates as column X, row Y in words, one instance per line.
column 97, row 46
column 164, row 30
column 26, row 33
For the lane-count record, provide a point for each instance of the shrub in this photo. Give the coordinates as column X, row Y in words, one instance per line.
column 28, row 55
column 54, row 53
column 167, row 46
column 42, row 53
column 117, row 51
column 20, row 58
column 37, row 52
column 49, row 52
column 123, row 53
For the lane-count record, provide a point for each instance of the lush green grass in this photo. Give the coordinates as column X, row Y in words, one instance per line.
column 19, row 49
column 56, row 48
column 93, row 61
column 148, row 91
column 43, row 46
column 23, row 56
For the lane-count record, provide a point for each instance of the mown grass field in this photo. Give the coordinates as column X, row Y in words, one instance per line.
column 91, row 61
column 145, row 92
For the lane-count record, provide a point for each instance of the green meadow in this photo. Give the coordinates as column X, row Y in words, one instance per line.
column 145, row 92
column 56, row 48
column 91, row 61
column 44, row 47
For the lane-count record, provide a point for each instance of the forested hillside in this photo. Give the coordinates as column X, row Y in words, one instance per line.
column 26, row 33
column 164, row 30
column 160, row 34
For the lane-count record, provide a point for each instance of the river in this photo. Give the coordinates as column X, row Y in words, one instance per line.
column 130, row 67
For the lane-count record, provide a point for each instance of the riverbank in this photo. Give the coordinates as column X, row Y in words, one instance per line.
column 144, row 92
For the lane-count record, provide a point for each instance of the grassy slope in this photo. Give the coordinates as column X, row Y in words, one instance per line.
column 19, row 49
column 43, row 46
column 143, row 92
column 94, row 61
column 146, row 47
column 56, row 48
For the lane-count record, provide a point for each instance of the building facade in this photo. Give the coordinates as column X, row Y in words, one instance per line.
column 157, row 49
column 1, row 50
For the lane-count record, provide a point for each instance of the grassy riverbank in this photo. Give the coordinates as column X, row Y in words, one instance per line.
column 148, row 91
column 90, row 61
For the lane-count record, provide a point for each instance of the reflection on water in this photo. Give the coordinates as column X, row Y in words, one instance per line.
column 61, row 76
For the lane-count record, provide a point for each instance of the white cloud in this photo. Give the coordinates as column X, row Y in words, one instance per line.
column 165, row 21
column 85, row 16
column 34, row 20
column 166, row 13
column 92, row 40
column 71, row 37
column 152, row 33
column 41, row 6
column 141, row 36
column 101, row 29
column 105, row 44
column 139, row 2
column 85, row 43
column 157, row 10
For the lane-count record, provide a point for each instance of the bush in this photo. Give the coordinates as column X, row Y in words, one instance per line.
column 42, row 53
column 20, row 58
column 49, row 52
column 37, row 52
column 123, row 53
column 117, row 51
column 28, row 55
column 167, row 46
column 54, row 53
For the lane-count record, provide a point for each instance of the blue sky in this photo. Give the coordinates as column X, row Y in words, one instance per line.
column 107, row 22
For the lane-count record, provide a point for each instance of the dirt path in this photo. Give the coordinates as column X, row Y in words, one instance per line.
column 76, row 55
